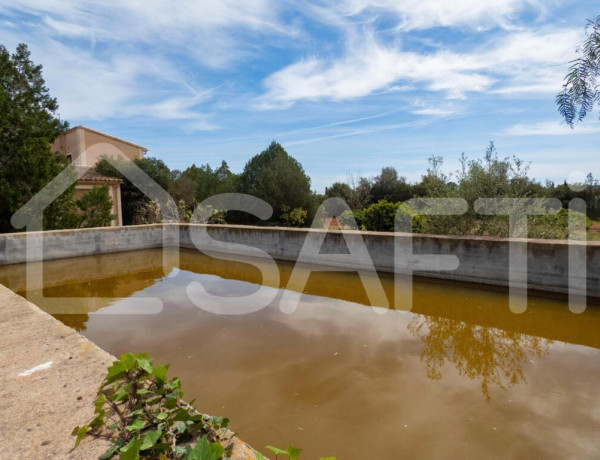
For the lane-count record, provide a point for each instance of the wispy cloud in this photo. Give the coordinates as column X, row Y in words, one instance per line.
column 424, row 14
column 92, row 84
column 379, row 80
column 535, row 59
column 377, row 129
column 434, row 112
column 205, row 31
column 549, row 128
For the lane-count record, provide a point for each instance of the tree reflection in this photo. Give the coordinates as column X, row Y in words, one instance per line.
column 493, row 356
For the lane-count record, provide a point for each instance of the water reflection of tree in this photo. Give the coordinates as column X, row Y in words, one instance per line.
column 491, row 355
column 110, row 288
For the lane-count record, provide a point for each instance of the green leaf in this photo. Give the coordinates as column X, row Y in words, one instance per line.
column 162, row 416
column 99, row 402
column 144, row 364
column 293, row 452
column 137, row 425
column 131, row 451
column 80, row 432
column 203, row 450
column 119, row 395
column 160, row 373
column 277, row 450
column 150, row 438
column 143, row 391
column 98, row 420
column 218, row 422
column 115, row 372
column 111, row 451
column 180, row 427
column 128, row 361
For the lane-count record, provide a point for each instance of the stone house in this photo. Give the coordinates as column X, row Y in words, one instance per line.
column 77, row 145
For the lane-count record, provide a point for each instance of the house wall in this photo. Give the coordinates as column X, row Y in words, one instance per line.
column 91, row 138
column 67, row 144
column 74, row 143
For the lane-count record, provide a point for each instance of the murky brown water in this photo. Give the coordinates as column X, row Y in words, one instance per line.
column 459, row 376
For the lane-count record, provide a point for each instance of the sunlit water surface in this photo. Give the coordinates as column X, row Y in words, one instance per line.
column 458, row 376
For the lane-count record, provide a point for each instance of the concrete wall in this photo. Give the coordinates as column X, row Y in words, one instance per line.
column 481, row 260
column 60, row 244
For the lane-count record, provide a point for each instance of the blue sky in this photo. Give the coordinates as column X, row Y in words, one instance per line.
column 345, row 88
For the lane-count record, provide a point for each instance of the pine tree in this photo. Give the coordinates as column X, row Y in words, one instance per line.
column 28, row 126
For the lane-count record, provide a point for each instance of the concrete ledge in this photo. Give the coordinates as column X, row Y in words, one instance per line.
column 481, row 260
column 40, row 410
column 49, row 376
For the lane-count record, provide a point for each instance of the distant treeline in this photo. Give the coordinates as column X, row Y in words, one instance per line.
column 274, row 176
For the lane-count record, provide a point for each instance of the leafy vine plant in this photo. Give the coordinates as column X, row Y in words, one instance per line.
column 144, row 416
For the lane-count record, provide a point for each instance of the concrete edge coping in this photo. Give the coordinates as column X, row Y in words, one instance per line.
column 305, row 230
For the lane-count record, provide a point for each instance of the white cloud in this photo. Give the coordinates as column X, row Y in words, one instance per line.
column 434, row 112
column 423, row 14
column 534, row 60
column 93, row 85
column 205, row 30
column 366, row 67
column 549, row 128
column 86, row 87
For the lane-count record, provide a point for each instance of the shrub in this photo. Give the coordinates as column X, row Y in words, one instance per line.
column 352, row 219
column 383, row 217
column 144, row 416
column 553, row 226
column 95, row 208
column 292, row 217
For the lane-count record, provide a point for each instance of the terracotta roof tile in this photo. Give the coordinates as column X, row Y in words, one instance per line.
column 91, row 175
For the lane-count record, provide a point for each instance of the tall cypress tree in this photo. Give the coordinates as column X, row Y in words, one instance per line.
column 28, row 126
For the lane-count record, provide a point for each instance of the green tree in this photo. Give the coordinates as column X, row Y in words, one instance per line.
column 137, row 208
column 209, row 181
column 389, row 186
column 274, row 176
column 28, row 126
column 95, row 208
column 339, row 190
column 581, row 89
column 487, row 177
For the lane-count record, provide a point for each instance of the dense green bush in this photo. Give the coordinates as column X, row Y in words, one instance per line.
column 384, row 216
column 352, row 219
column 553, row 226
column 293, row 217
